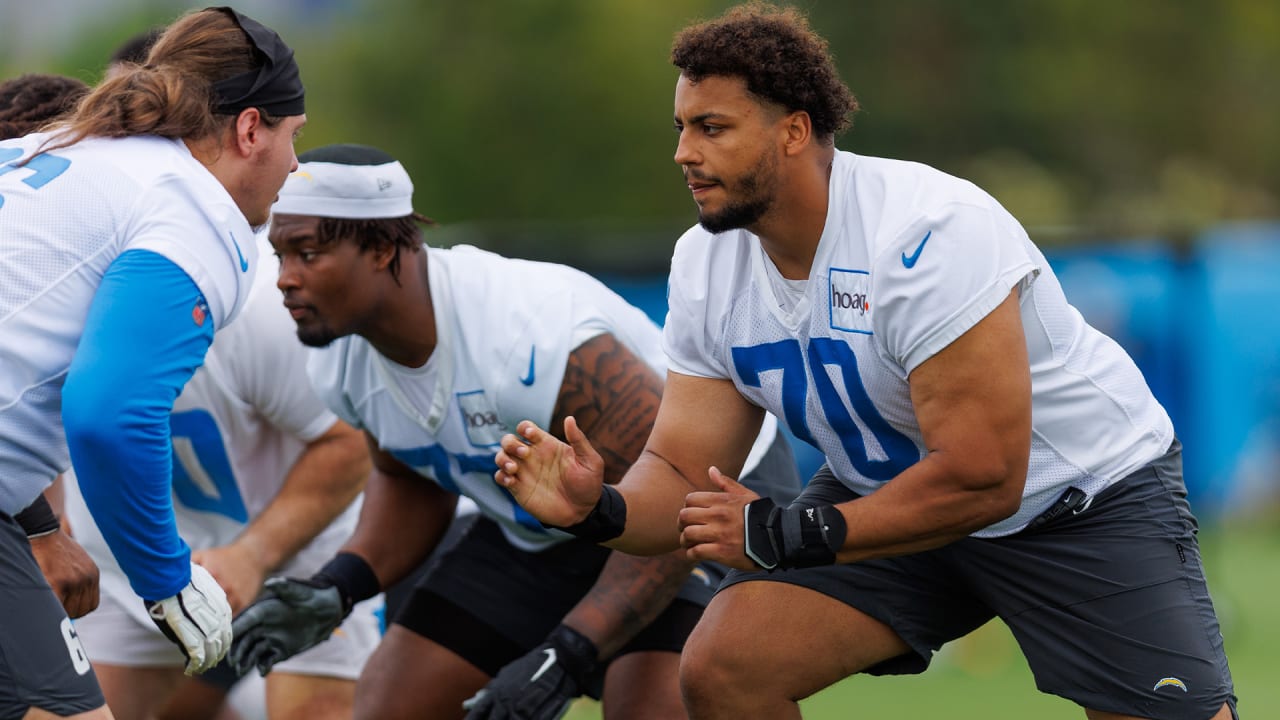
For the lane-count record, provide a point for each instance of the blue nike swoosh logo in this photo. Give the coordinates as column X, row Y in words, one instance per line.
column 244, row 264
column 909, row 261
column 528, row 379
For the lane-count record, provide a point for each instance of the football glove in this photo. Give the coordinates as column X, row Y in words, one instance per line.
column 291, row 615
column 541, row 684
column 198, row 619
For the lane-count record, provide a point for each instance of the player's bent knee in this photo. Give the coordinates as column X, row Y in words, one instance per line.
column 711, row 669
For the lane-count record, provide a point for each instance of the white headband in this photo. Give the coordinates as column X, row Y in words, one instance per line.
column 336, row 190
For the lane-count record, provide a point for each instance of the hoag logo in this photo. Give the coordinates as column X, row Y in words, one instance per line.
column 850, row 293
column 479, row 419
column 850, row 301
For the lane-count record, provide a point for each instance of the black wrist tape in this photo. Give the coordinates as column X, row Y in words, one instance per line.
column 607, row 519
column 576, row 654
column 38, row 518
column 793, row 537
column 352, row 576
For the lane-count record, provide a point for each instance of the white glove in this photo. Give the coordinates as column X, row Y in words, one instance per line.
column 198, row 619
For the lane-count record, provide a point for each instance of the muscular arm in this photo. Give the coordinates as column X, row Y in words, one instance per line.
column 703, row 423
column 402, row 520
column 973, row 403
column 700, row 423
column 614, row 396
column 321, row 484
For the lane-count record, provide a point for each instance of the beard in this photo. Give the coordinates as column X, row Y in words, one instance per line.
column 753, row 195
column 734, row 216
column 316, row 336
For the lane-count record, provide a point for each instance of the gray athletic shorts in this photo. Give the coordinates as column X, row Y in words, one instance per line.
column 41, row 661
column 1109, row 606
column 490, row 602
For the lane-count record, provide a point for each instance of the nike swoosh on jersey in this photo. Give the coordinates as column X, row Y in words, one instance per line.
column 244, row 264
column 528, row 379
column 909, row 261
column 546, row 664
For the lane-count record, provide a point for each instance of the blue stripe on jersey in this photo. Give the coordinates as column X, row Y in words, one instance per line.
column 438, row 460
column 146, row 333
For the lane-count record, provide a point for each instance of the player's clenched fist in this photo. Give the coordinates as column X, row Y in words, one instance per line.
column 198, row 619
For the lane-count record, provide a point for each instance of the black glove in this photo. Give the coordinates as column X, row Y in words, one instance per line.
column 293, row 615
column 792, row 537
column 541, row 684
column 290, row 616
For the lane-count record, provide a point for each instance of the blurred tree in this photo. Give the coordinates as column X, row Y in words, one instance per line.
column 541, row 126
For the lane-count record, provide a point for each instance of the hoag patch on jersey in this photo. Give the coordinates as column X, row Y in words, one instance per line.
column 479, row 419
column 850, row 296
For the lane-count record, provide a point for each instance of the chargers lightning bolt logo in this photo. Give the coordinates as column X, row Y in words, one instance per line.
column 244, row 264
column 528, row 379
column 1170, row 681
column 909, row 261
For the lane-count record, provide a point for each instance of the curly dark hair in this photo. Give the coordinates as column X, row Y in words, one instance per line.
column 28, row 102
column 778, row 55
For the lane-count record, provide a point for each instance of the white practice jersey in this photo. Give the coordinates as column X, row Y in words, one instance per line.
column 65, row 216
column 238, row 426
column 909, row 260
column 504, row 332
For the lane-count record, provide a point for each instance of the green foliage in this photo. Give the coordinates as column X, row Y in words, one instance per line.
column 542, row 126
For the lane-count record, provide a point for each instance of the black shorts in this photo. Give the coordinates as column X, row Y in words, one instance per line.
column 1109, row 606
column 490, row 602
column 41, row 661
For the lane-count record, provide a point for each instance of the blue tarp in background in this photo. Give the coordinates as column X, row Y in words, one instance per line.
column 1204, row 327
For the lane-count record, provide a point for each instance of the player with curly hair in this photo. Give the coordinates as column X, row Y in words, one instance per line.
column 989, row 454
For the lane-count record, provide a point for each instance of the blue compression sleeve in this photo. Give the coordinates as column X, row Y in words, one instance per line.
column 141, row 345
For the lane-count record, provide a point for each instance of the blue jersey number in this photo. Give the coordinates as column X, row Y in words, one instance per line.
column 441, row 463
column 787, row 356
column 203, row 479
column 43, row 167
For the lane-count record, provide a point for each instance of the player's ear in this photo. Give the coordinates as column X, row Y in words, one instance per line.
column 797, row 129
column 384, row 254
column 246, row 129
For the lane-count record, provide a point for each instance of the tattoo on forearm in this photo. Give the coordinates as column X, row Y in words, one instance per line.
column 630, row 593
column 614, row 396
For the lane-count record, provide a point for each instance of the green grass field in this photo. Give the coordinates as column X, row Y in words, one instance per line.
column 984, row 675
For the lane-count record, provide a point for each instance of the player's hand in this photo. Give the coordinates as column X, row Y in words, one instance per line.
column 290, row 616
column 711, row 523
column 541, row 684
column 237, row 570
column 198, row 619
column 558, row 484
column 69, row 571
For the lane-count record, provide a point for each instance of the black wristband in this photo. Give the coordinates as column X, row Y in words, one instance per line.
column 577, row 655
column 38, row 518
column 793, row 537
column 606, row 521
column 352, row 576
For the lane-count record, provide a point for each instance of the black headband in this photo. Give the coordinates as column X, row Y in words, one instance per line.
column 274, row 87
